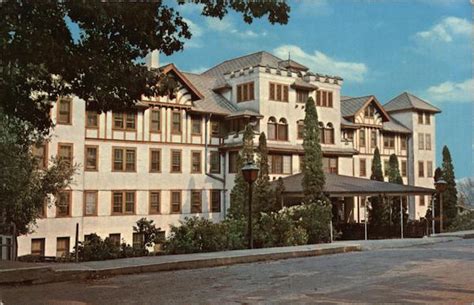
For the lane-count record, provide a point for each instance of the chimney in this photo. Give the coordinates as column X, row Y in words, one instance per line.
column 152, row 60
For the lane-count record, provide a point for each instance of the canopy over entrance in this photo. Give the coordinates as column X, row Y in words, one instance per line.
column 345, row 186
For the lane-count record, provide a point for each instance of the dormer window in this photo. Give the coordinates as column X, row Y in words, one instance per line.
column 369, row 111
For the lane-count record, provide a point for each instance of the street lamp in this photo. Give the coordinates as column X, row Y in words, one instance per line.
column 440, row 186
column 250, row 173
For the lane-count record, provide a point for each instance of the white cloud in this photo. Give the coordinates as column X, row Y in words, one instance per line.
column 321, row 63
column 447, row 30
column 226, row 25
column 452, row 92
column 195, row 29
column 199, row 70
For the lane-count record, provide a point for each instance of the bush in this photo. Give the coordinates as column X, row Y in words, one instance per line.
column 235, row 233
column 279, row 229
column 462, row 222
column 96, row 249
column 315, row 219
column 149, row 232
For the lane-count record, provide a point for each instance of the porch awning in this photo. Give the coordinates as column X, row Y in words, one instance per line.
column 339, row 186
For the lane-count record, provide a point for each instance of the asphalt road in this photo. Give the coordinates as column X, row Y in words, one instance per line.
column 441, row 273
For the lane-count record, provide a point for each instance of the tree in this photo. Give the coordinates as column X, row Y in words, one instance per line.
column 264, row 199
column 313, row 174
column 450, row 196
column 101, row 60
column 379, row 214
column 395, row 177
column 149, row 232
column 466, row 192
column 239, row 194
column 279, row 190
column 24, row 187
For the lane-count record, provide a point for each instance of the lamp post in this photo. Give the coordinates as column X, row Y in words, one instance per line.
column 250, row 173
column 440, row 186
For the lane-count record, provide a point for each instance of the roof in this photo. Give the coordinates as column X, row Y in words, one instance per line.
column 211, row 102
column 298, row 148
column 407, row 101
column 348, row 124
column 244, row 113
column 395, row 126
column 352, row 106
column 301, row 84
column 292, row 65
column 340, row 185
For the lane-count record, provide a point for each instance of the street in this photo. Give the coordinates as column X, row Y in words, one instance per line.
column 441, row 273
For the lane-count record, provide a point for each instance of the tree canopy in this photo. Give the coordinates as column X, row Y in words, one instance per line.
column 450, row 196
column 103, row 64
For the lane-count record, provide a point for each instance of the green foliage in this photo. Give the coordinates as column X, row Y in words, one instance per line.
column 97, row 249
column 195, row 235
column 377, row 173
column 149, row 231
column 380, row 212
column 279, row 190
column 313, row 174
column 264, row 198
column 315, row 219
column 450, row 196
column 394, row 176
column 279, row 229
column 462, row 222
column 24, row 188
column 103, row 65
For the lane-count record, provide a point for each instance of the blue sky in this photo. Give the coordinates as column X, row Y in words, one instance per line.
column 379, row 47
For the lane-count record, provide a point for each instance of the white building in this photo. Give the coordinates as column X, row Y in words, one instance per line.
column 173, row 157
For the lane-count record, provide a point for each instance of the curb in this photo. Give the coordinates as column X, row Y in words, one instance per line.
column 43, row 275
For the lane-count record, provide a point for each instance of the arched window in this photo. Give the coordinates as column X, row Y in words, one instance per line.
column 282, row 131
column 321, row 132
column 272, row 128
column 300, row 129
column 329, row 134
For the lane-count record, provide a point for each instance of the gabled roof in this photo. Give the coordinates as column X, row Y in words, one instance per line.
column 352, row 106
column 339, row 185
column 172, row 68
column 407, row 101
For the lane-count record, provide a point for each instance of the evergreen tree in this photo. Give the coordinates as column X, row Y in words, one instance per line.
column 450, row 196
column 239, row 193
column 379, row 214
column 280, row 188
column 313, row 174
column 264, row 199
column 395, row 177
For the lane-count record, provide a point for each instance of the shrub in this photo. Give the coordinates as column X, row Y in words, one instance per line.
column 96, row 249
column 279, row 229
column 151, row 235
column 315, row 219
column 235, row 231
column 462, row 222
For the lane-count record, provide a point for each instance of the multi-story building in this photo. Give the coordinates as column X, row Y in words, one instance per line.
column 175, row 156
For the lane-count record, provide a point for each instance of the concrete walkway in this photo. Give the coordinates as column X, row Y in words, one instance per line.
column 57, row 272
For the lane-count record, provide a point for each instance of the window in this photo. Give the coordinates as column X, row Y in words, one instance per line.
column 427, row 118
column 176, row 123
column 196, row 125
column 92, row 119
column 123, row 202
column 215, row 162
column 420, row 117
column 233, row 155
column 91, row 158
column 362, row 138
column 300, row 129
column 90, row 203
column 245, row 92
column 330, row 165
column 196, row 201
column 215, row 201
column 40, row 153
column 65, row 152
column 63, row 204
column 421, row 142
column 64, row 111
column 155, row 202
column 138, row 240
column 429, row 169
column 115, row 239
column 175, row 202
column 421, row 169
column 62, row 246
column 362, row 168
column 422, row 200
column 282, row 130
column 124, row 159
column 373, row 138
column 324, row 98
column 37, row 246
column 155, row 160
column 155, row 120
column 277, row 131
column 196, row 162
column 388, row 141
column 272, row 128
column 279, row 92
column 301, row 96
column 369, row 111
column 403, row 142
column 215, row 128
column 328, row 137
column 427, row 141
column 125, row 121
column 176, row 161
column 404, row 168
column 279, row 164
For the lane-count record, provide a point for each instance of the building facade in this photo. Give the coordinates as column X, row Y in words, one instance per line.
column 174, row 157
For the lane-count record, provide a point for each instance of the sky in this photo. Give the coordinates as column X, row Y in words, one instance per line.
column 379, row 47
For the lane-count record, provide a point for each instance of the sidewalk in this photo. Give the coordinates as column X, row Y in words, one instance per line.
column 57, row 272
